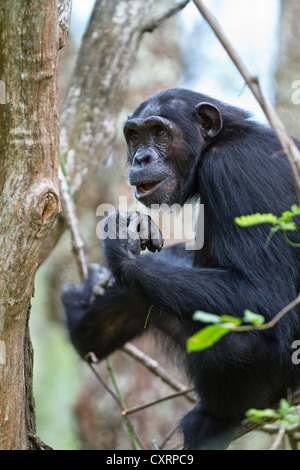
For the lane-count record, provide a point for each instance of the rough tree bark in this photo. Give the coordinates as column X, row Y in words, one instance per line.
column 29, row 194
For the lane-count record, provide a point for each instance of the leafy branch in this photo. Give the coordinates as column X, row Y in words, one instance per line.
column 284, row 223
column 285, row 414
column 224, row 324
column 220, row 326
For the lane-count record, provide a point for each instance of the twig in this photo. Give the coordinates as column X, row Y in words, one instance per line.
column 168, row 437
column 273, row 428
column 158, row 20
column 271, row 323
column 91, row 362
column 155, row 368
column 279, row 438
column 134, row 409
column 72, row 221
column 288, row 145
column 40, row 445
column 130, row 430
column 282, row 312
column 270, row 428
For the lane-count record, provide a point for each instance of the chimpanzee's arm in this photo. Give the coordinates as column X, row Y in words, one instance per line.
column 103, row 323
column 180, row 289
column 183, row 288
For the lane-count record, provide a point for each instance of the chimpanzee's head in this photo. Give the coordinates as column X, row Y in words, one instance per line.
column 166, row 137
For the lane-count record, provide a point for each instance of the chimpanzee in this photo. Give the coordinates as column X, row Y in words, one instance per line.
column 184, row 145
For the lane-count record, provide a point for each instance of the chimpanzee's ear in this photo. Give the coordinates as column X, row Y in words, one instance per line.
column 211, row 122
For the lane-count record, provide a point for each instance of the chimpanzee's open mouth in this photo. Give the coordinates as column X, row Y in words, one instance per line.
column 145, row 188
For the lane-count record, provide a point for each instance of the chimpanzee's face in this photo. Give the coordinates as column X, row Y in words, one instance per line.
column 151, row 152
column 164, row 146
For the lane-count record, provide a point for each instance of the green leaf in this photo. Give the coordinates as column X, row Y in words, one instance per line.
column 254, row 219
column 287, row 226
column 258, row 416
column 286, row 215
column 289, row 420
column 230, row 319
column 254, row 318
column 295, row 210
column 206, row 317
column 206, row 338
column 284, row 406
column 286, row 415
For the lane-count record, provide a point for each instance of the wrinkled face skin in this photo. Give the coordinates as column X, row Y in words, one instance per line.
column 165, row 141
column 157, row 155
column 151, row 145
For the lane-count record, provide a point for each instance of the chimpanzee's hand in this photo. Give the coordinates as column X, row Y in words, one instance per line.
column 133, row 231
column 99, row 279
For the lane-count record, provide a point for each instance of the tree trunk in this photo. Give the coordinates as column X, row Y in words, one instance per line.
column 29, row 196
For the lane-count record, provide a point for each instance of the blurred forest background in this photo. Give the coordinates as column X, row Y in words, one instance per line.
column 73, row 410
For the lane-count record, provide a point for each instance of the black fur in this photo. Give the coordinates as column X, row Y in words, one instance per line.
column 238, row 171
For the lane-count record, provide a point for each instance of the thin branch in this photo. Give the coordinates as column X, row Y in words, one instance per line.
column 155, row 368
column 279, row 438
column 271, row 323
column 158, row 20
column 91, row 361
column 72, row 221
column 166, row 439
column 273, row 428
column 288, row 145
column 282, row 312
column 270, row 428
column 132, row 434
column 134, row 409
column 40, row 445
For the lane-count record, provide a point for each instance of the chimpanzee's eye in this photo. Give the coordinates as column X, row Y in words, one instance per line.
column 133, row 135
column 161, row 131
